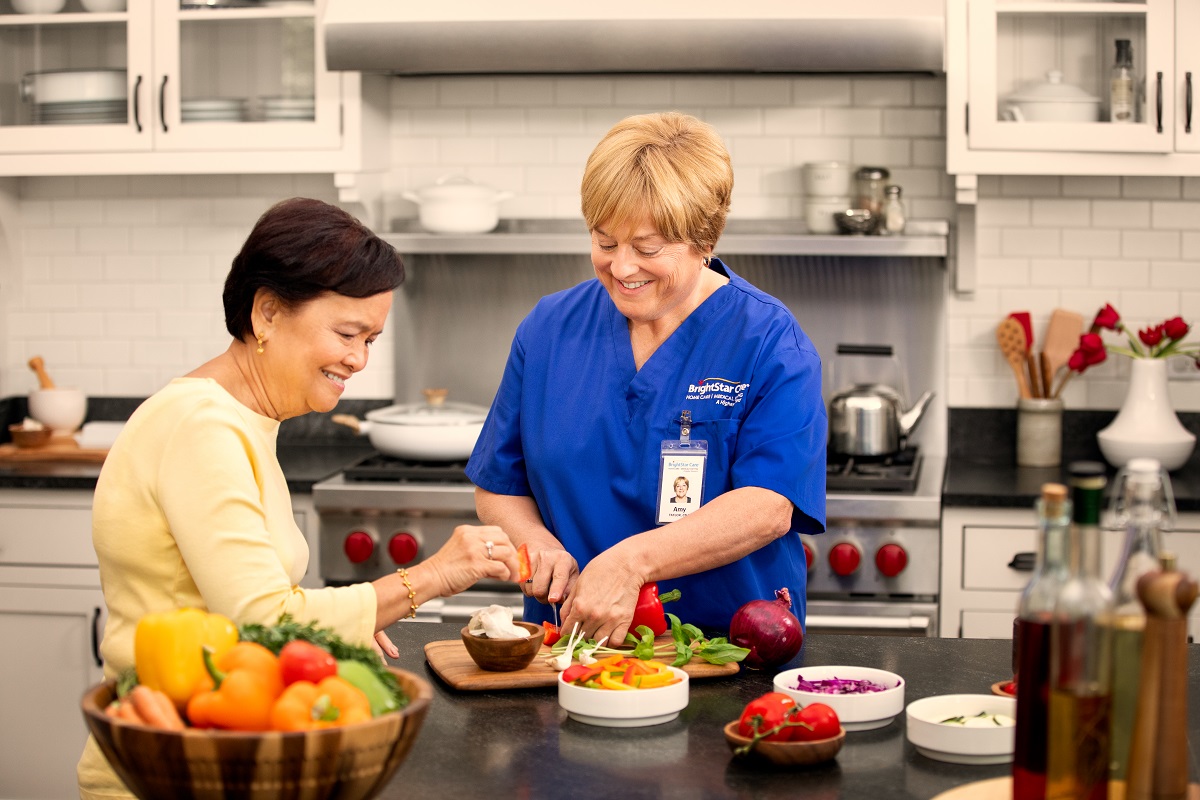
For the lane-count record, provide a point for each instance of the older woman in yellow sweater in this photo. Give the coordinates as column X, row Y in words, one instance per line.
column 192, row 509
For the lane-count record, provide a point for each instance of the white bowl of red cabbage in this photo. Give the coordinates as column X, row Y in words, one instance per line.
column 864, row 698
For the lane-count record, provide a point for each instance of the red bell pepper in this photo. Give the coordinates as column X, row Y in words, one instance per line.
column 304, row 661
column 553, row 633
column 526, row 571
column 649, row 610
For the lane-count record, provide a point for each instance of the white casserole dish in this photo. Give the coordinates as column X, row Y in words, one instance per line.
column 455, row 204
column 75, row 86
column 1051, row 101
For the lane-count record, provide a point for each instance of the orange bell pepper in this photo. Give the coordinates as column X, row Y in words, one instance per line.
column 244, row 689
column 305, row 705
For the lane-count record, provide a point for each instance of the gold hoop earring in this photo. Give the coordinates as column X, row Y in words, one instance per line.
column 260, row 343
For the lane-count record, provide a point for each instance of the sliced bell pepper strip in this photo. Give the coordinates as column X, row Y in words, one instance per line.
column 526, row 569
column 553, row 633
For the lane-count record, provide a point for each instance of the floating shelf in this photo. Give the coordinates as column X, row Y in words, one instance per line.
column 922, row 238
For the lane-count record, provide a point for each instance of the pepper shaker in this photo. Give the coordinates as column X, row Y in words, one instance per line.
column 893, row 214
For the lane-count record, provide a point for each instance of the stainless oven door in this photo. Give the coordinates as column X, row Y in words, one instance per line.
column 872, row 617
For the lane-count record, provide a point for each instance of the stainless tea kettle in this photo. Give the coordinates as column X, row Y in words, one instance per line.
column 869, row 419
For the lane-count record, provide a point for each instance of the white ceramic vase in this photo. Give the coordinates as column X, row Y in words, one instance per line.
column 1146, row 425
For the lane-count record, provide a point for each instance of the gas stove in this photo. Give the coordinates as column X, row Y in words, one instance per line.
column 895, row 472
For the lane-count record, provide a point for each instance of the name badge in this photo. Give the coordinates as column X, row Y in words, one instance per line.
column 681, row 474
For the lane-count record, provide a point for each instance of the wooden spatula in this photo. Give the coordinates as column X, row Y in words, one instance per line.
column 37, row 365
column 1035, row 376
column 1062, row 339
column 1011, row 338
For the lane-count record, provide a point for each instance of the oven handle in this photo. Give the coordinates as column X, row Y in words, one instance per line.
column 915, row 623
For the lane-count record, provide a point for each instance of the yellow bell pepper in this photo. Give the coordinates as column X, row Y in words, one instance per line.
column 169, row 647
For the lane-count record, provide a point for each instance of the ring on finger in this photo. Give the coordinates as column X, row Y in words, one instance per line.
column 489, row 545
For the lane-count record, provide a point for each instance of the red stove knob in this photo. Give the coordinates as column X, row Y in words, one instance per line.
column 844, row 558
column 809, row 556
column 358, row 546
column 891, row 559
column 402, row 547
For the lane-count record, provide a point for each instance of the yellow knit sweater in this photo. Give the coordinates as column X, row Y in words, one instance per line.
column 192, row 509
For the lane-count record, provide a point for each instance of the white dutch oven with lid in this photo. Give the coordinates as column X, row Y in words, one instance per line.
column 1051, row 101
column 435, row 430
column 456, row 204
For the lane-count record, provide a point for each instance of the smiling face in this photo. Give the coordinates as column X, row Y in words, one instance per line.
column 311, row 350
column 648, row 277
column 681, row 487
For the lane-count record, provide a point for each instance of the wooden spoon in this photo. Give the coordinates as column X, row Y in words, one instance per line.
column 1062, row 339
column 1011, row 338
column 37, row 365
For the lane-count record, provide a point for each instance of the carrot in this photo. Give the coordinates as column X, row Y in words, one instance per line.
column 127, row 713
column 155, row 708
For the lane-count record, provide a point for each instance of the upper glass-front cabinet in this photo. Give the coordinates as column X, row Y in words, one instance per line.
column 1072, row 76
column 164, row 75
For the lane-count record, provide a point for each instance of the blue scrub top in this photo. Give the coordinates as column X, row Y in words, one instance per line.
column 579, row 428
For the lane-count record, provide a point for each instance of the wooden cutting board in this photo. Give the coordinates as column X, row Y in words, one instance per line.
column 63, row 452
column 1001, row 789
column 450, row 660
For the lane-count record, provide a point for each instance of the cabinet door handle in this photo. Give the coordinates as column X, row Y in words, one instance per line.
column 137, row 96
column 1023, row 562
column 162, row 97
column 1187, row 123
column 1159, row 100
column 96, row 637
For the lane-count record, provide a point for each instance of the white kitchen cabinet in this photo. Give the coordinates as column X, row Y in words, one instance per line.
column 51, row 619
column 980, row 587
column 998, row 48
column 235, row 87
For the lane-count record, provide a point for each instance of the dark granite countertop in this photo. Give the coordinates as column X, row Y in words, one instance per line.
column 310, row 448
column 519, row 743
column 982, row 471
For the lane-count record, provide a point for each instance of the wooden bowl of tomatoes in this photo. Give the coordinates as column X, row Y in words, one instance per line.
column 775, row 728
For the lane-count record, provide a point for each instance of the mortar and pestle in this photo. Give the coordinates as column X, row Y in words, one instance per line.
column 60, row 409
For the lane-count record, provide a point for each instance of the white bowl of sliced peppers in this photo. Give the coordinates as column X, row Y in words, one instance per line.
column 622, row 692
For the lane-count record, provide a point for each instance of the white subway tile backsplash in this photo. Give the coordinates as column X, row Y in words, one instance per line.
column 913, row 122
column 439, row 121
column 760, row 151
column 1190, row 247
column 103, row 187
column 1091, row 186
column 762, row 92
column 210, row 185
column 105, row 352
column 881, row 91
column 156, row 185
column 1060, row 213
column 996, row 272
column 583, row 91
column 1151, row 187
column 76, row 269
column 1182, row 215
column 894, row 152
column 821, row 91
column 995, row 212
column 156, row 239
column 1059, row 271
column 1125, row 273
column 551, row 121
column 157, row 352
column 852, row 121
column 818, row 148
column 49, row 241
column 929, row 92
column 703, row 91
column 130, row 267
column 1150, row 244
column 1170, row 275
column 415, row 92
column 1191, row 188
column 928, row 153
column 1031, row 242
column 56, row 296
column 791, row 121
column 496, row 122
column 76, row 325
column 646, row 91
column 467, row 92
column 1121, row 213
column 103, row 240
column 1078, row 242
column 1031, row 185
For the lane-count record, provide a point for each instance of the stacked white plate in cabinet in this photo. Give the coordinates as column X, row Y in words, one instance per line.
column 78, row 97
column 216, row 109
column 289, row 109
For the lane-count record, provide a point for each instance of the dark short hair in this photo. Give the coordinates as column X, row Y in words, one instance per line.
column 301, row 249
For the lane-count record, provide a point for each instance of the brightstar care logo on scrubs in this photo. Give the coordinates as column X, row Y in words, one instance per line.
column 722, row 391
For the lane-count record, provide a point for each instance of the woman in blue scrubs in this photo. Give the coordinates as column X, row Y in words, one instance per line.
column 666, row 364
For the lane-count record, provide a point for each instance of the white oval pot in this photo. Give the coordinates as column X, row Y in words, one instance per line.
column 1146, row 426
column 1051, row 101
column 456, row 205
column 74, row 86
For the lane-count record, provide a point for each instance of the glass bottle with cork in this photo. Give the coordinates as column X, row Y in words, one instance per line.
column 1121, row 85
column 1078, row 753
column 1144, row 505
column 893, row 216
column 1031, row 642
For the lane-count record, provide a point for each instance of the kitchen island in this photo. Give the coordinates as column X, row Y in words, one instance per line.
column 520, row 744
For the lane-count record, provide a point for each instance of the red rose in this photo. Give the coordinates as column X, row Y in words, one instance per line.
column 1107, row 317
column 1076, row 362
column 1175, row 328
column 1151, row 336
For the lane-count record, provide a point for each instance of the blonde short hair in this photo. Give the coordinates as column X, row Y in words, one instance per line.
column 668, row 166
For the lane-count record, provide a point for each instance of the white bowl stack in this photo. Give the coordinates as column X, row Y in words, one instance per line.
column 827, row 191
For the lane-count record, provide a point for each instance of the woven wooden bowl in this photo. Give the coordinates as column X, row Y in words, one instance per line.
column 788, row 754
column 351, row 762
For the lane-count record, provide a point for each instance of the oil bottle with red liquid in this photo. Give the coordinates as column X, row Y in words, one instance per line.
column 1031, row 643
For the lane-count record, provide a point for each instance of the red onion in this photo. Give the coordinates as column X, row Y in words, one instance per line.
column 769, row 629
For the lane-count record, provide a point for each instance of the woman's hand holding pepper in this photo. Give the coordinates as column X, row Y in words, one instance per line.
column 554, row 574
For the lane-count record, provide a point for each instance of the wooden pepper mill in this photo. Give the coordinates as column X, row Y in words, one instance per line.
column 1158, row 762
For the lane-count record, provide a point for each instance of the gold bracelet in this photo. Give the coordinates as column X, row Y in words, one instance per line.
column 412, row 596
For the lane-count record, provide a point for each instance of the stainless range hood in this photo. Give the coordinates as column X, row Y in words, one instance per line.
column 403, row 37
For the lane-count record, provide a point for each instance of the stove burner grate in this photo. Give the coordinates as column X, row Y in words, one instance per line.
column 378, row 467
column 897, row 472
